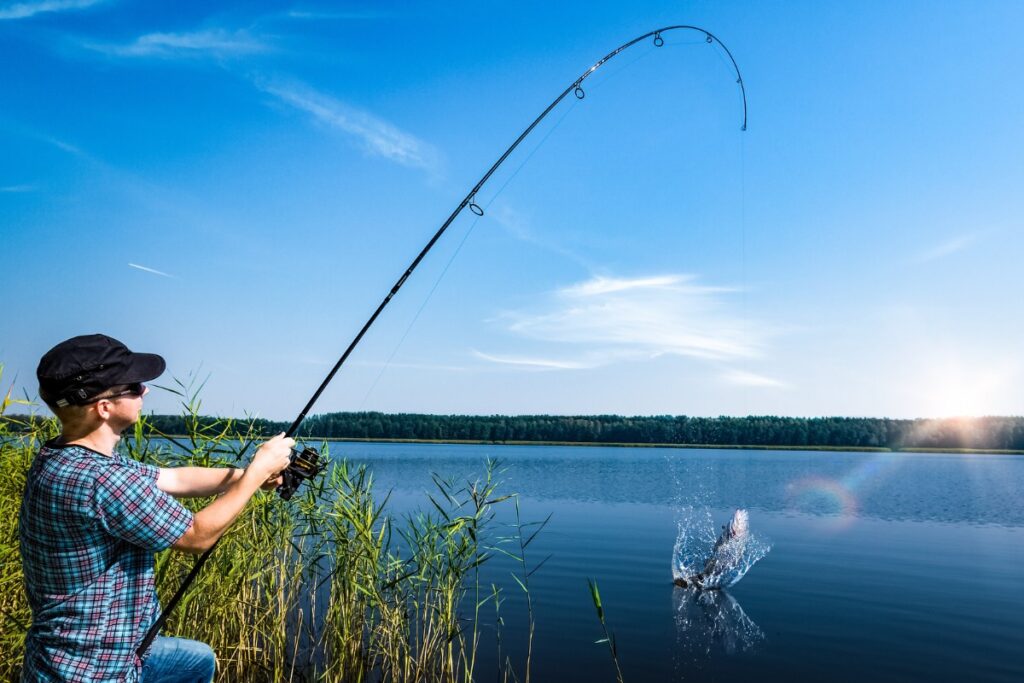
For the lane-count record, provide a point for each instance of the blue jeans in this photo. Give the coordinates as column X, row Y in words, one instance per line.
column 178, row 660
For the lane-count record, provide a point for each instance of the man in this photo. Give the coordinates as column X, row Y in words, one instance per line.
column 91, row 520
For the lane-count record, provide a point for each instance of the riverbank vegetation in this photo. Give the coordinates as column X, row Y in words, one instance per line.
column 330, row 586
column 980, row 433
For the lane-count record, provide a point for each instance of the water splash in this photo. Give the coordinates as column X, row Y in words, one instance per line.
column 720, row 561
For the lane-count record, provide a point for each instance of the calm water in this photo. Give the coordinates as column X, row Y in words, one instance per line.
column 884, row 567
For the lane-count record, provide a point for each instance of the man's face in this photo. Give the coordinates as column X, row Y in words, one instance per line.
column 121, row 406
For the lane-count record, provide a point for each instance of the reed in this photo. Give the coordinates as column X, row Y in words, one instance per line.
column 330, row 586
column 405, row 583
column 16, row 449
column 525, row 534
column 609, row 637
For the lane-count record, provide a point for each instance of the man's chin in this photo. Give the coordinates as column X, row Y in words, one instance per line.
column 127, row 424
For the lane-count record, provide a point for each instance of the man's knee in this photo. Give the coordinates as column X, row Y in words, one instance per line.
column 208, row 660
column 179, row 660
column 204, row 660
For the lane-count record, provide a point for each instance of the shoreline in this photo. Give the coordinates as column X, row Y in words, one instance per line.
column 614, row 444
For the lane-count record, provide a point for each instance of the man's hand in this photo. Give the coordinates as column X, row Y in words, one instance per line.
column 213, row 520
column 271, row 459
column 272, row 483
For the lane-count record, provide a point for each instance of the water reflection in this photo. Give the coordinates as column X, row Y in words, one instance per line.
column 976, row 489
column 709, row 623
column 873, row 485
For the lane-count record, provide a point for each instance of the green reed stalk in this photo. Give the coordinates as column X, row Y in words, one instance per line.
column 609, row 637
column 521, row 539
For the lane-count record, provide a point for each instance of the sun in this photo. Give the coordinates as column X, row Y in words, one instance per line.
column 956, row 388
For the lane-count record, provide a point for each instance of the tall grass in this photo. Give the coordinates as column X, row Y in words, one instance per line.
column 399, row 587
column 15, row 457
column 330, row 586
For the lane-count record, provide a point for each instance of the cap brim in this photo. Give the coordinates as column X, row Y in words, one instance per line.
column 143, row 367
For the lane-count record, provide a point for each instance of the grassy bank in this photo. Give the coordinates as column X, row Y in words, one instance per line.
column 330, row 584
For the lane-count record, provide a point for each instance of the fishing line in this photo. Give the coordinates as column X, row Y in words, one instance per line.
column 617, row 70
column 430, row 294
column 614, row 73
column 726, row 65
column 306, row 464
column 479, row 211
column 745, row 301
column 465, row 237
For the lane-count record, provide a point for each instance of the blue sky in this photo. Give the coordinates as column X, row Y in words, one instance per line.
column 237, row 185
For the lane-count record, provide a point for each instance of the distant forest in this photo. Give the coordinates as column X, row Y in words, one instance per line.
column 988, row 433
column 982, row 433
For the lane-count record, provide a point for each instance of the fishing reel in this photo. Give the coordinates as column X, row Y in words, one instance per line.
column 305, row 464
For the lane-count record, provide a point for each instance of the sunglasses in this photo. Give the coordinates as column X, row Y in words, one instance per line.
column 133, row 389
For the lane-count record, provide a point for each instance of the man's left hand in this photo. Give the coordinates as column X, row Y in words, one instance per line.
column 272, row 483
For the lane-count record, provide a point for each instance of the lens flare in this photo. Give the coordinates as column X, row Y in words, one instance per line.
column 839, row 498
column 819, row 495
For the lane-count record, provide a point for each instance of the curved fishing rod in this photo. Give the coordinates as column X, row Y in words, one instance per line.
column 470, row 199
column 305, row 463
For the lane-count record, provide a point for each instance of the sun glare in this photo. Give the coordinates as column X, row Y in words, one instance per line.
column 956, row 390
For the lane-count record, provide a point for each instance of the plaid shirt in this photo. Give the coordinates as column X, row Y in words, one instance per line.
column 89, row 526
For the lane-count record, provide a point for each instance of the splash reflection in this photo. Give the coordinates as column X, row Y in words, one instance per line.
column 710, row 623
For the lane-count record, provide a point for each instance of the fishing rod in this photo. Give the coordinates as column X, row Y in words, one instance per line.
column 306, row 464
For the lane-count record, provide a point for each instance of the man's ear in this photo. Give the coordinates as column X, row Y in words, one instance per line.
column 102, row 408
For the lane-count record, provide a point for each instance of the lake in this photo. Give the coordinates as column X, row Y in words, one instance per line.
column 883, row 566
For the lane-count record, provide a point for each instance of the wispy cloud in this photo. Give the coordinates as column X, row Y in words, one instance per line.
column 214, row 42
column 609, row 285
column 607, row 319
column 411, row 366
column 518, row 226
column 149, row 270
column 320, row 15
column 18, row 188
column 23, row 10
column 535, row 362
column 63, row 146
column 750, row 379
column 950, row 246
column 377, row 136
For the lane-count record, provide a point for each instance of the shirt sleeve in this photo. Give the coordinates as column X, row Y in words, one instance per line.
column 150, row 471
column 129, row 506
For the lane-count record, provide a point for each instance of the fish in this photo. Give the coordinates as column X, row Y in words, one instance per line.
column 727, row 548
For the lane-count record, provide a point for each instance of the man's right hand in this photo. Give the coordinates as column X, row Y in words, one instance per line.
column 272, row 457
column 213, row 520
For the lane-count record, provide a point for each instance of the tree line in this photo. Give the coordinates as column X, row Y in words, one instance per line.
column 983, row 433
column 992, row 433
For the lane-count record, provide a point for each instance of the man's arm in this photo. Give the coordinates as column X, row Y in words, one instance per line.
column 213, row 520
column 197, row 482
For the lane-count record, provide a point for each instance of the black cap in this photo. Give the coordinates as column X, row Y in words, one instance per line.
column 83, row 367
